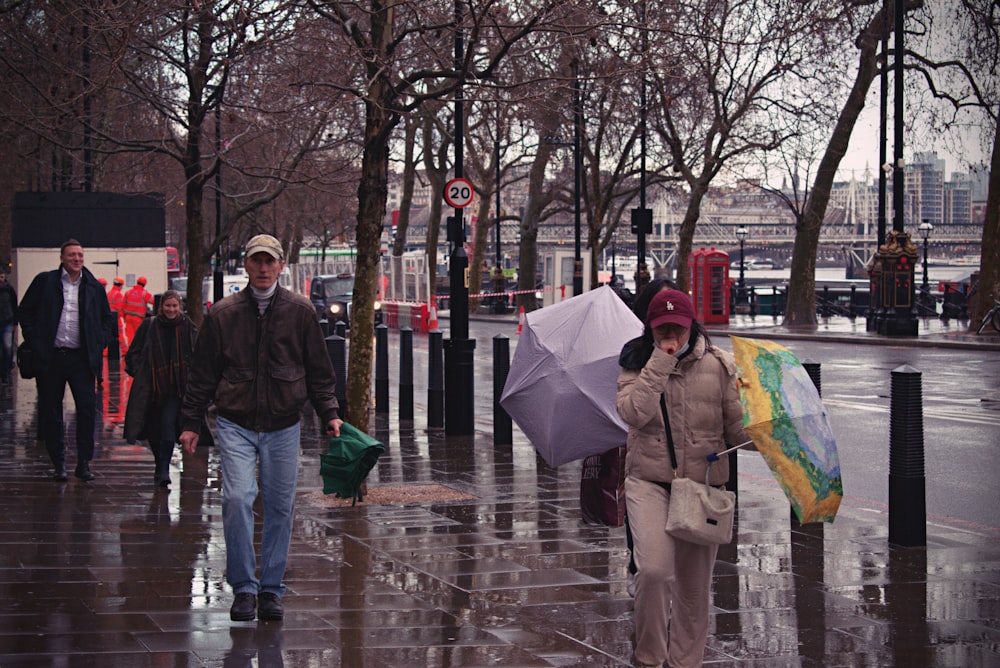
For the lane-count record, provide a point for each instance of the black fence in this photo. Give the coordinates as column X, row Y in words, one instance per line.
column 849, row 301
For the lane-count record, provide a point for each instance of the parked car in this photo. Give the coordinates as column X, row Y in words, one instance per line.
column 231, row 284
column 331, row 294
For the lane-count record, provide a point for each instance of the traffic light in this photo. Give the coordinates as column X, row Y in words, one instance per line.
column 456, row 230
column 642, row 220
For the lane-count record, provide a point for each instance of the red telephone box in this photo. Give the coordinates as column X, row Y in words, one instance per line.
column 708, row 279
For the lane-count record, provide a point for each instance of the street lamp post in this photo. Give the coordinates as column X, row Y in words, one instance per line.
column 500, row 300
column 741, row 234
column 217, row 280
column 459, row 349
column 925, row 228
column 577, row 179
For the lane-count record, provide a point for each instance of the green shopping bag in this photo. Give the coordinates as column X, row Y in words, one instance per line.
column 348, row 461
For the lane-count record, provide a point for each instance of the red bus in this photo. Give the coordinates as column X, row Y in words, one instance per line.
column 173, row 263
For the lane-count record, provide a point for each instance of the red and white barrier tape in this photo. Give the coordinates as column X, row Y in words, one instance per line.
column 479, row 295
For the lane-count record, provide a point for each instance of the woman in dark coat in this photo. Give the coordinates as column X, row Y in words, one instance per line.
column 158, row 361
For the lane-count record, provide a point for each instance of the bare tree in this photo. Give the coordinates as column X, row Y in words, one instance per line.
column 154, row 77
column 957, row 58
column 405, row 56
column 495, row 151
column 730, row 86
column 801, row 309
column 437, row 143
column 410, row 127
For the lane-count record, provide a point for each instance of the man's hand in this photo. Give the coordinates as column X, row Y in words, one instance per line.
column 189, row 441
column 333, row 427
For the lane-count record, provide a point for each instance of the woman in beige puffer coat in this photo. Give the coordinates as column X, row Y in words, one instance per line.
column 674, row 358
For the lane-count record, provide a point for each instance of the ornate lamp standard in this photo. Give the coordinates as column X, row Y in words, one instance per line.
column 741, row 234
column 925, row 228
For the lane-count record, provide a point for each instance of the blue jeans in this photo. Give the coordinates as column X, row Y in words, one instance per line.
column 278, row 454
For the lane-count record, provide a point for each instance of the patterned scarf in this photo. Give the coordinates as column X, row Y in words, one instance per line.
column 167, row 364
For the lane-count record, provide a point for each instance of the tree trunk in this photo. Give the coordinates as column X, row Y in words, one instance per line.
column 989, row 262
column 686, row 236
column 372, row 197
column 436, row 182
column 194, row 196
column 481, row 235
column 801, row 308
column 528, row 253
column 406, row 201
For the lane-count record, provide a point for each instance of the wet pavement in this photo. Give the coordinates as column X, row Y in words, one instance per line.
column 120, row 573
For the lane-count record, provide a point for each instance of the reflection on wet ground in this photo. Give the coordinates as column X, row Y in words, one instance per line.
column 119, row 573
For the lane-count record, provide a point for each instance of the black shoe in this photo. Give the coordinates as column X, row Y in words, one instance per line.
column 270, row 607
column 83, row 472
column 244, row 608
column 60, row 474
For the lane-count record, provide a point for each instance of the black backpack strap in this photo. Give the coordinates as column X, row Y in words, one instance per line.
column 670, row 436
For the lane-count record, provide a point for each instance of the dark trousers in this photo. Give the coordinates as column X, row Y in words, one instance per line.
column 6, row 349
column 161, row 426
column 73, row 368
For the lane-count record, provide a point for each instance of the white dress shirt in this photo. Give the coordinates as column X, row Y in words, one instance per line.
column 68, row 331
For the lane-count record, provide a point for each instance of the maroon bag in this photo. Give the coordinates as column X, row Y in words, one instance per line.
column 602, row 488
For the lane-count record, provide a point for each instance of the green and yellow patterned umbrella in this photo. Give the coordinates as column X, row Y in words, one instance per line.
column 785, row 417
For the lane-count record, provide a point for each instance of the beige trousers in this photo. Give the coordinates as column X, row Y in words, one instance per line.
column 673, row 585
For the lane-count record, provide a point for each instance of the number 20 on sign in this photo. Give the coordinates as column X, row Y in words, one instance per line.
column 458, row 193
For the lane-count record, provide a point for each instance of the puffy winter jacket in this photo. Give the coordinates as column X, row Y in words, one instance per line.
column 703, row 405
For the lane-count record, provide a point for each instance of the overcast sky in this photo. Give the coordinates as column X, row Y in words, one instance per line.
column 864, row 151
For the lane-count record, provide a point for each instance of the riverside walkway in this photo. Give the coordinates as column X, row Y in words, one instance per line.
column 463, row 554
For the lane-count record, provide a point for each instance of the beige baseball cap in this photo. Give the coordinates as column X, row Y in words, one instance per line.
column 265, row 243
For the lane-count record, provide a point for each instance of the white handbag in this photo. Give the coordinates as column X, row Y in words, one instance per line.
column 698, row 513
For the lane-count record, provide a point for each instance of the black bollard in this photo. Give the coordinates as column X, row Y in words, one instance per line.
column 406, row 374
column 503, row 430
column 813, row 369
column 435, row 380
column 907, row 498
column 459, row 365
column 381, row 370
column 340, row 329
column 336, row 347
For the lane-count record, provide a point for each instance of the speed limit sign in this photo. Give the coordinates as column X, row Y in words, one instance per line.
column 458, row 193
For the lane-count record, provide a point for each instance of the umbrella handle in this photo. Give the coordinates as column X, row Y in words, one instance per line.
column 714, row 457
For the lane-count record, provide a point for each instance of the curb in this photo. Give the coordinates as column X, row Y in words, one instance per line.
column 777, row 332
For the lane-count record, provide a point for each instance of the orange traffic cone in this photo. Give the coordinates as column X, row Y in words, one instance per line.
column 432, row 318
column 520, row 320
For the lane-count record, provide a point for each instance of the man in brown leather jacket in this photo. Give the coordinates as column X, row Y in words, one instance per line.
column 259, row 357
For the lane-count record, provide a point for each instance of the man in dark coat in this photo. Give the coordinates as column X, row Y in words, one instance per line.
column 8, row 323
column 65, row 317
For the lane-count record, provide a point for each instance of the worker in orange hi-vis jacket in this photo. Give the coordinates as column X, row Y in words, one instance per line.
column 116, row 301
column 138, row 300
